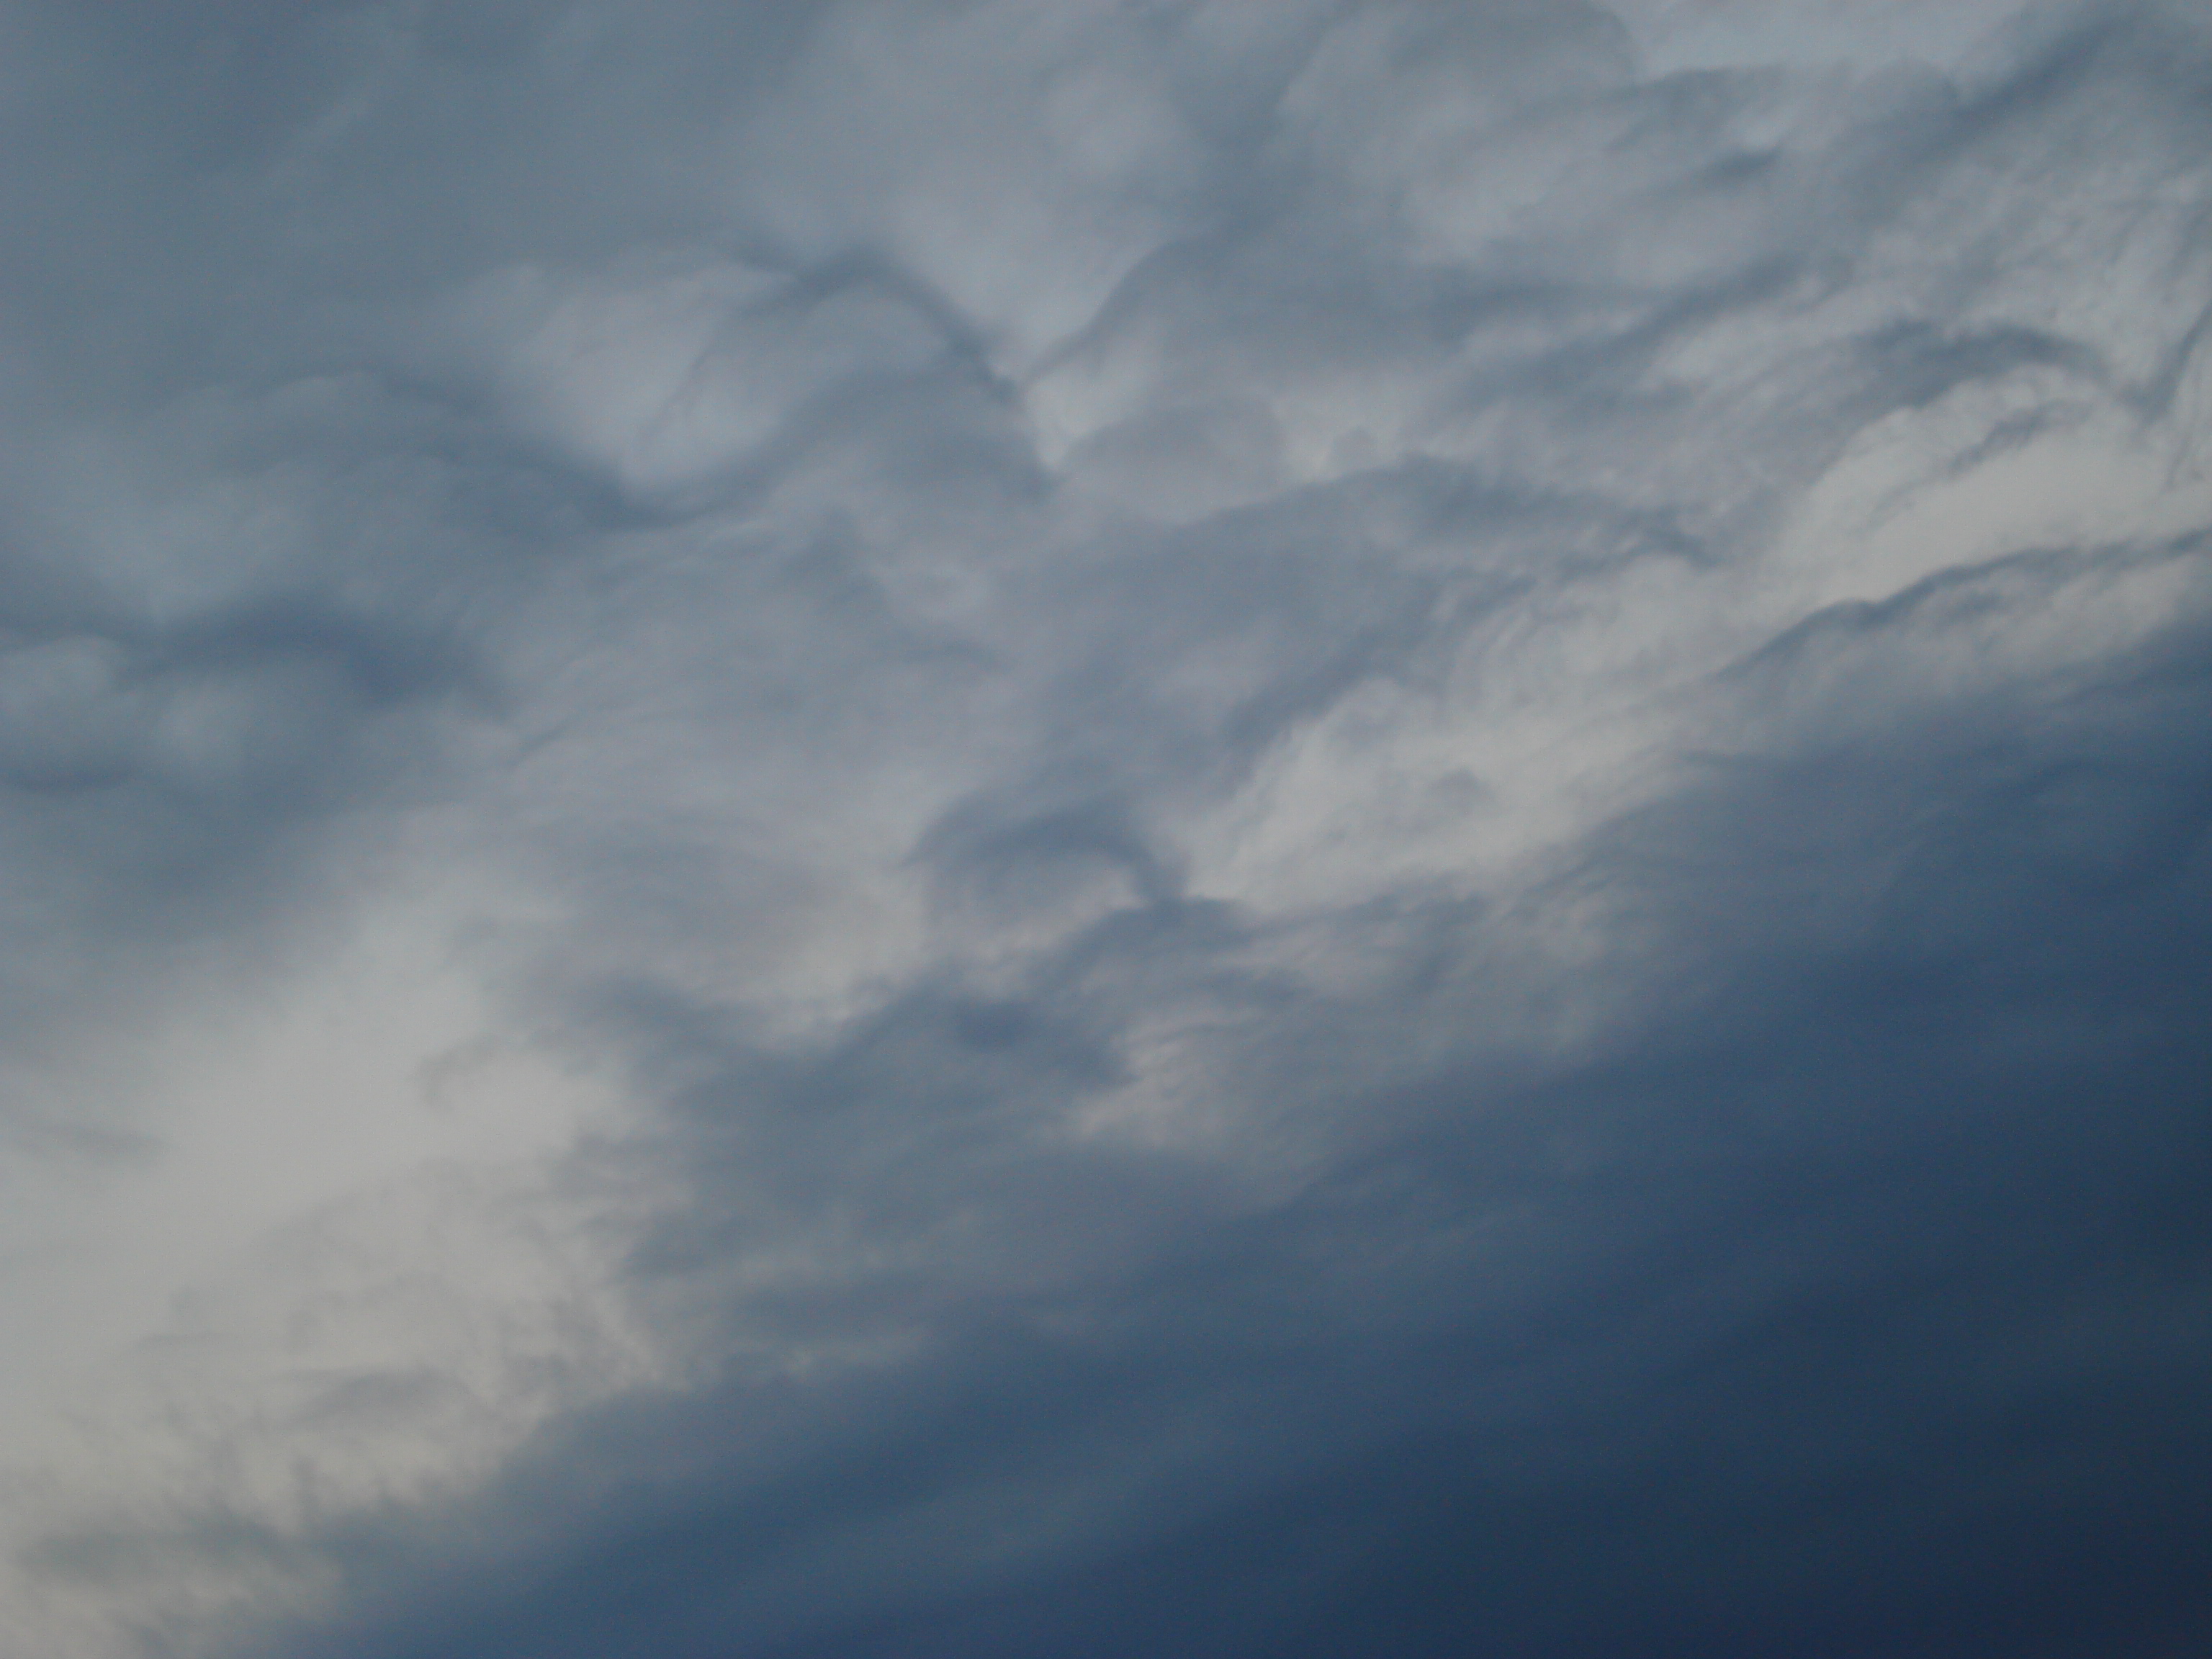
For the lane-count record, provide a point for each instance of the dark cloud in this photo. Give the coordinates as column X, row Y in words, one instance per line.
column 1848, row 1298
column 1388, row 824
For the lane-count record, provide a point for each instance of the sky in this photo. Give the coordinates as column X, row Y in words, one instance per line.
column 1059, row 829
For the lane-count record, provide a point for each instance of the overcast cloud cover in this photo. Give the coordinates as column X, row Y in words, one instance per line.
column 894, row 828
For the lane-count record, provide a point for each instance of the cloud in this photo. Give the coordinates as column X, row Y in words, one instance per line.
column 1223, row 827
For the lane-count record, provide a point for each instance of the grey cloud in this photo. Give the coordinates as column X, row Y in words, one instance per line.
column 1397, row 840
column 1843, row 1297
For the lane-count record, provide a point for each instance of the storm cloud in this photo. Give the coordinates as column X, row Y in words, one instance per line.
column 1260, row 827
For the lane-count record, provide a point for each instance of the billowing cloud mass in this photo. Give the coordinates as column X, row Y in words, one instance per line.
column 1026, row 828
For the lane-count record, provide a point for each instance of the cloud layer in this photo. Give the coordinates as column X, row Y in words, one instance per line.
column 1261, row 828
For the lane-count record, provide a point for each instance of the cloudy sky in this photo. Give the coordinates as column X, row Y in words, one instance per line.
column 1064, row 829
